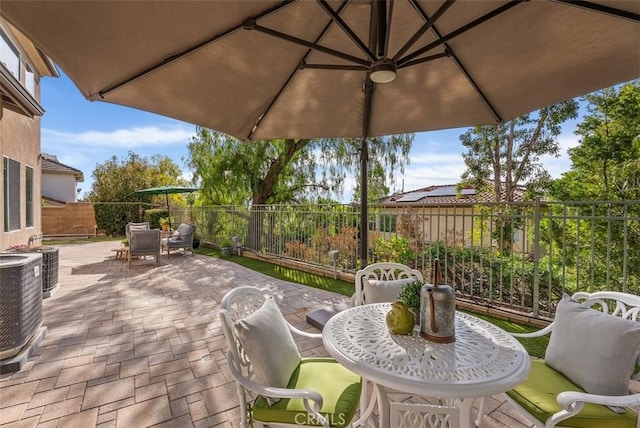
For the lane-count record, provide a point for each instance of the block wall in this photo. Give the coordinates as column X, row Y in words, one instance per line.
column 74, row 218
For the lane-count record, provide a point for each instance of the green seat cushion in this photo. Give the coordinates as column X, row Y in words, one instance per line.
column 339, row 387
column 537, row 395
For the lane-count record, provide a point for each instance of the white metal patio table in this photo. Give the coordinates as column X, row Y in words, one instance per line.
column 484, row 360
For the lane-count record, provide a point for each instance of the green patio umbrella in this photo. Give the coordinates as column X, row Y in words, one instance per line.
column 166, row 191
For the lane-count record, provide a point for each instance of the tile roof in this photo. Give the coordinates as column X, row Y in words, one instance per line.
column 51, row 164
column 446, row 194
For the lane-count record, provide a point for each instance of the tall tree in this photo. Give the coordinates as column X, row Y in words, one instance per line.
column 606, row 163
column 507, row 155
column 115, row 181
column 605, row 172
column 286, row 171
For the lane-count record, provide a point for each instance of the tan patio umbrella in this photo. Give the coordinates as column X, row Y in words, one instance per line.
column 306, row 69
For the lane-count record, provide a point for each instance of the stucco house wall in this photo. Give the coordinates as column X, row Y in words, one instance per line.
column 458, row 220
column 20, row 113
column 59, row 186
column 59, row 181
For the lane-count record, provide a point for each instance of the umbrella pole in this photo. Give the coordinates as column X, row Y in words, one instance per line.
column 166, row 195
column 364, row 206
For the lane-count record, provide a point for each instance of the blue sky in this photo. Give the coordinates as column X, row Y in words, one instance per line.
column 83, row 134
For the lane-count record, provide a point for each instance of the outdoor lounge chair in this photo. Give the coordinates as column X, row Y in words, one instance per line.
column 591, row 358
column 275, row 385
column 144, row 243
column 135, row 226
column 181, row 238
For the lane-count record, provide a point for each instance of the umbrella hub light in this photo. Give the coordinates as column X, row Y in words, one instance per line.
column 383, row 71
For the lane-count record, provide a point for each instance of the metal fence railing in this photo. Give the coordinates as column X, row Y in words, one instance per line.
column 522, row 256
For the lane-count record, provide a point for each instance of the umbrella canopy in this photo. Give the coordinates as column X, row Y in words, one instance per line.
column 336, row 68
column 166, row 191
column 298, row 69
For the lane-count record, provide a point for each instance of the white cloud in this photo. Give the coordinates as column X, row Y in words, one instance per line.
column 567, row 140
column 144, row 136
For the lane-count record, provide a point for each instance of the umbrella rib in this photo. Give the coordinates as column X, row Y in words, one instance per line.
column 290, row 78
column 594, row 7
column 310, row 45
column 335, row 67
column 455, row 33
column 449, row 52
column 343, row 25
column 446, row 53
column 106, row 91
column 428, row 24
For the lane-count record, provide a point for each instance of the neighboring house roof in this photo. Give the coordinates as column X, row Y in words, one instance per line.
column 52, row 202
column 446, row 194
column 50, row 164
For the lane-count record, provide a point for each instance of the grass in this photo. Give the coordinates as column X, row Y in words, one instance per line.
column 280, row 272
column 78, row 240
column 535, row 347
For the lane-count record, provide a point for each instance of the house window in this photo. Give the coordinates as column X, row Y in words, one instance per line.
column 30, row 80
column 29, row 196
column 11, row 178
column 9, row 55
column 388, row 223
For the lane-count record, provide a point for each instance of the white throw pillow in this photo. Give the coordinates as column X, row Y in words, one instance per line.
column 595, row 350
column 377, row 291
column 267, row 340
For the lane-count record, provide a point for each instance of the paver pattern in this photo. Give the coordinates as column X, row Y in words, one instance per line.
column 143, row 347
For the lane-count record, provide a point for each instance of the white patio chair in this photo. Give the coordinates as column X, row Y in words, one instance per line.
column 382, row 282
column 591, row 358
column 275, row 385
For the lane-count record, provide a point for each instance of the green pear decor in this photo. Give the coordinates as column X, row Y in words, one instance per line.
column 400, row 319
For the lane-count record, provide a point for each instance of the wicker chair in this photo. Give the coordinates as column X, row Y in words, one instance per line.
column 144, row 243
column 135, row 226
column 182, row 238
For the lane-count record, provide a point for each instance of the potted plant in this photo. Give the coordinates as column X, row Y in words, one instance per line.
column 226, row 248
column 410, row 296
column 164, row 223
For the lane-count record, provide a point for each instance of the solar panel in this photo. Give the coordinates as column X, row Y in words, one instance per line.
column 443, row 191
column 412, row 197
column 468, row 191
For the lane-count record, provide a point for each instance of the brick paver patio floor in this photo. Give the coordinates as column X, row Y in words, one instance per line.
column 142, row 347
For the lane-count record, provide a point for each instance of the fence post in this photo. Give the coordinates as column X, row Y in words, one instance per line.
column 536, row 258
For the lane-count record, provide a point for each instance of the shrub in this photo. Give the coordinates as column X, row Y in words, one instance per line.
column 410, row 295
